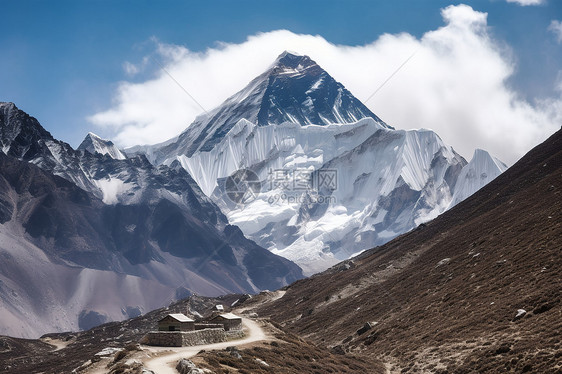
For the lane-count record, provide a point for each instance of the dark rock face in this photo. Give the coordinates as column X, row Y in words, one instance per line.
column 21, row 136
column 6, row 205
column 182, row 293
column 300, row 91
column 397, row 201
column 172, row 232
column 89, row 318
column 128, row 226
column 260, row 266
column 133, row 311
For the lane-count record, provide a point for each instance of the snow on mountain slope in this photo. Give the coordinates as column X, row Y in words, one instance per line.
column 94, row 144
column 481, row 170
column 296, row 120
column 388, row 182
column 286, row 145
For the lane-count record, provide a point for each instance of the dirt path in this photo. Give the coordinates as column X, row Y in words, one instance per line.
column 58, row 344
column 272, row 296
column 165, row 358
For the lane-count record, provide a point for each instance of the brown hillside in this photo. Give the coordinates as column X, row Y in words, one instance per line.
column 444, row 296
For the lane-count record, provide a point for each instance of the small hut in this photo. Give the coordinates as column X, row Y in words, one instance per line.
column 176, row 322
column 229, row 321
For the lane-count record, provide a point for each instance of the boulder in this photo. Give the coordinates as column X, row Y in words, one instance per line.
column 339, row 350
column 185, row 366
column 444, row 261
column 234, row 352
column 261, row 362
column 366, row 327
column 520, row 314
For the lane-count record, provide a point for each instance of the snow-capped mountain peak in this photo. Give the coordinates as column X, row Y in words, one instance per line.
column 94, row 144
column 295, row 119
column 295, row 89
column 481, row 170
column 290, row 62
column 299, row 91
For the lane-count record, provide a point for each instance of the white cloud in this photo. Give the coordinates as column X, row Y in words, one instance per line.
column 130, row 68
column 455, row 84
column 556, row 27
column 526, row 2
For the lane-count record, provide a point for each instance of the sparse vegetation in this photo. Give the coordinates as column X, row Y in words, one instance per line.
column 289, row 354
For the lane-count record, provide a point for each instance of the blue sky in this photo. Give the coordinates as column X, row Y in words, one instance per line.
column 63, row 60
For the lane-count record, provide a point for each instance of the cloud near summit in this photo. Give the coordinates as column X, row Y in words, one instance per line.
column 455, row 84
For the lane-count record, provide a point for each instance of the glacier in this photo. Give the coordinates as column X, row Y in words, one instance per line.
column 296, row 119
column 371, row 163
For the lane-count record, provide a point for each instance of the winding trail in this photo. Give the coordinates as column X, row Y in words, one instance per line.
column 57, row 343
column 166, row 358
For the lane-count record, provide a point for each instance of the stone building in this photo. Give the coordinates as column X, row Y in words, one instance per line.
column 176, row 322
column 229, row 321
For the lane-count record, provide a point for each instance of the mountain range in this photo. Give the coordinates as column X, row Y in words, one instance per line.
column 88, row 238
column 476, row 290
column 117, row 232
column 294, row 126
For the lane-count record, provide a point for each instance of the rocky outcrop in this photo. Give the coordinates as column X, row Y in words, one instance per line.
column 185, row 366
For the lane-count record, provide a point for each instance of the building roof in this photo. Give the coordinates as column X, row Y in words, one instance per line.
column 219, row 307
column 229, row 316
column 180, row 317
